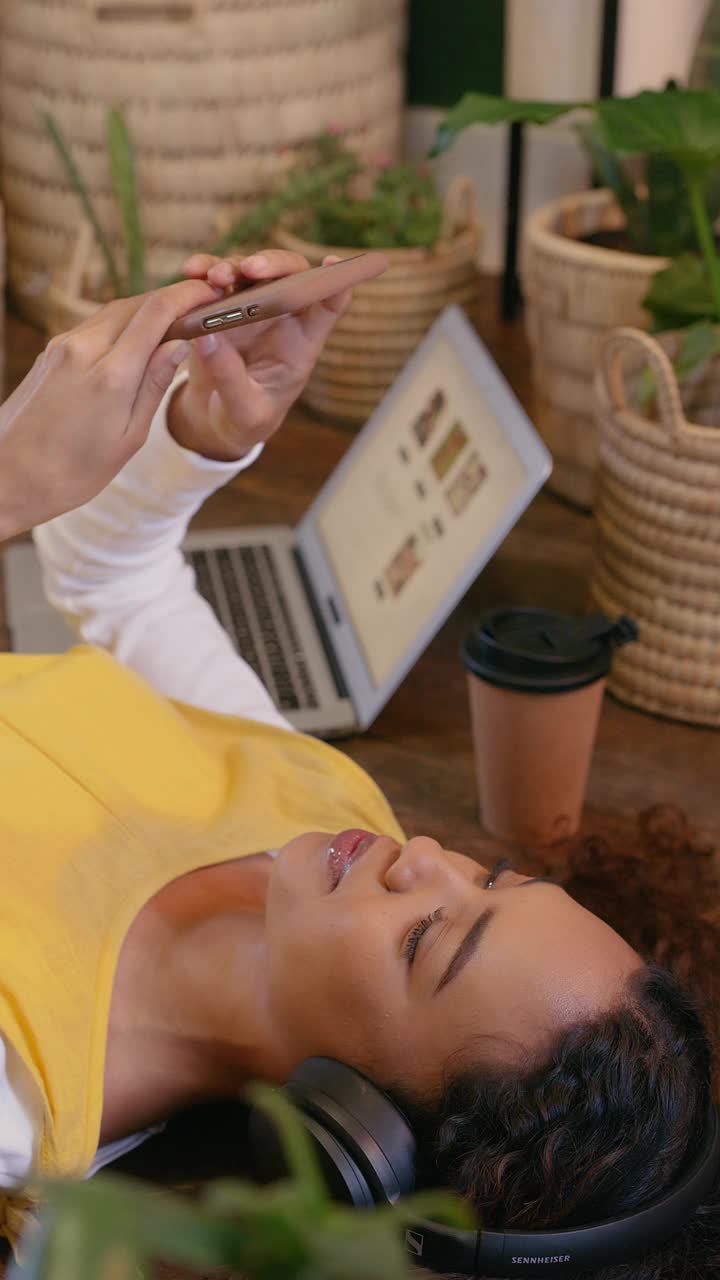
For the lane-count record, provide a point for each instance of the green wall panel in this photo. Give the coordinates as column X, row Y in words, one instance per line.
column 454, row 45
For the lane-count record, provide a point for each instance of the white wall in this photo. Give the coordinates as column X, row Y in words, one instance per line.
column 656, row 41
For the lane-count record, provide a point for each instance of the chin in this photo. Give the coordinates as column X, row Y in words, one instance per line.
column 300, row 864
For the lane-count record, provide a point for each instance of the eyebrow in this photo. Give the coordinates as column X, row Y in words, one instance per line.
column 471, row 941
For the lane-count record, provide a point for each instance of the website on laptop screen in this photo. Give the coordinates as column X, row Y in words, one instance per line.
column 417, row 502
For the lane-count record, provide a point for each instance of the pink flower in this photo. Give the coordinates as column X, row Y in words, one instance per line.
column 334, row 129
column 382, row 160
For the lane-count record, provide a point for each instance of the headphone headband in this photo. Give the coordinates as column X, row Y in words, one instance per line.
column 590, row 1248
column 367, row 1150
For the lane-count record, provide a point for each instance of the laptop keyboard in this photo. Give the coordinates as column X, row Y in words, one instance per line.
column 242, row 586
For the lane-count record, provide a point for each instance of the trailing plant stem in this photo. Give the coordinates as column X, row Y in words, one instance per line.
column 704, row 230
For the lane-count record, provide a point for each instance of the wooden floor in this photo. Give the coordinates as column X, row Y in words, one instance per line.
column 419, row 748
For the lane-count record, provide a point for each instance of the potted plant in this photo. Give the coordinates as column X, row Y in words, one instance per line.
column 95, row 274
column 219, row 93
column 589, row 260
column 327, row 203
column 432, row 246
column 111, row 1226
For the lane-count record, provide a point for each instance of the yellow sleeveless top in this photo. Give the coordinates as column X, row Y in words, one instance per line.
column 109, row 792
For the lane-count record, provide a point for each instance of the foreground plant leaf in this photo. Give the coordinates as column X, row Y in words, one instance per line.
column 111, row 1228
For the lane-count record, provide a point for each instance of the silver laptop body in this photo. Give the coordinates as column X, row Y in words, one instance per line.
column 334, row 613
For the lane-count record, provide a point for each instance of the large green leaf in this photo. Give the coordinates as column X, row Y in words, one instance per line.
column 681, row 294
column 667, row 214
column 684, row 124
column 485, row 108
column 609, row 172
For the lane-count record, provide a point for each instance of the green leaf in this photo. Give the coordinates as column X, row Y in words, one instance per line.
column 485, row 108
column 684, row 124
column 670, row 228
column 681, row 294
column 121, row 154
column 698, row 343
column 303, row 1164
column 103, row 1244
column 78, row 183
column 610, row 173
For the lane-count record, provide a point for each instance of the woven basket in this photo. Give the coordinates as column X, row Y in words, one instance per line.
column 658, row 528
column 73, row 290
column 388, row 316
column 219, row 98
column 574, row 293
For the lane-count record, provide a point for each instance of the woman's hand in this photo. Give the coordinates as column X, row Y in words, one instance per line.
column 86, row 406
column 242, row 382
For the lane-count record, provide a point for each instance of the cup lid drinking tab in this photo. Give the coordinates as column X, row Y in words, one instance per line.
column 543, row 651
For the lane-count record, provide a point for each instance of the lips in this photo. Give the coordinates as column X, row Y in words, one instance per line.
column 344, row 849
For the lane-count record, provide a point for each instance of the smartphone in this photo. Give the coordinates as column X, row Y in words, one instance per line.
column 278, row 297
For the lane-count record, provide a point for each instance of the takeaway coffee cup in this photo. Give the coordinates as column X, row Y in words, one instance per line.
column 536, row 680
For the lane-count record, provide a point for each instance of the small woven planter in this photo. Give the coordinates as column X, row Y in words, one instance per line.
column 658, row 528
column 219, row 96
column 388, row 316
column 574, row 293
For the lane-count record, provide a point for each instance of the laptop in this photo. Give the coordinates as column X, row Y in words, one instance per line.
column 334, row 613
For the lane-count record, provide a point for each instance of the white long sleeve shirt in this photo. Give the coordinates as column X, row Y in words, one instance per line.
column 114, row 569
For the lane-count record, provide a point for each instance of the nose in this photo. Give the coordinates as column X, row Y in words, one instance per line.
column 419, row 862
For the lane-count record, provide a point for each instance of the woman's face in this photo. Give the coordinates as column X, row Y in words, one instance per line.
column 395, row 959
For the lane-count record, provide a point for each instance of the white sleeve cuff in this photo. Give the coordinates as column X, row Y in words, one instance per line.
column 179, row 472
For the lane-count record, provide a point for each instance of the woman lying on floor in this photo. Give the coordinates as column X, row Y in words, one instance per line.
column 153, row 954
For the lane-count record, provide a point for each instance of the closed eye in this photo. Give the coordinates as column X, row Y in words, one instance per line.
column 417, row 932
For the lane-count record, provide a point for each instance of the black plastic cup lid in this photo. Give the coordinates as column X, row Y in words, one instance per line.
column 542, row 651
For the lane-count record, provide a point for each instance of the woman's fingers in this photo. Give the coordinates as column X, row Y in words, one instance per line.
column 223, row 365
column 155, row 380
column 129, row 350
column 318, row 321
column 238, row 268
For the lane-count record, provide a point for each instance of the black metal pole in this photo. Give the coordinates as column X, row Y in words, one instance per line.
column 513, row 202
column 608, row 48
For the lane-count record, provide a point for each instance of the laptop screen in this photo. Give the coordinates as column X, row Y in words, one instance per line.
column 427, row 487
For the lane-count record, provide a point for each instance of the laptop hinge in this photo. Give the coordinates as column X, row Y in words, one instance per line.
column 337, row 675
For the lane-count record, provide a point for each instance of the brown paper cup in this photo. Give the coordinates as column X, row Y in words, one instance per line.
column 532, row 757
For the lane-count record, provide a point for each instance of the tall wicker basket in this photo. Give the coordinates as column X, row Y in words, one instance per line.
column 574, row 293
column 219, row 98
column 658, row 528
column 388, row 316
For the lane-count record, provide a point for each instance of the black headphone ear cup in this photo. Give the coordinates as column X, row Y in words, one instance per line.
column 343, row 1179
column 369, row 1127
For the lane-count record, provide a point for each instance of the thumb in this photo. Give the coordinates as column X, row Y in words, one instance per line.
column 162, row 368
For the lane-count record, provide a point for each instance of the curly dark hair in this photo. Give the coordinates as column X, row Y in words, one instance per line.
column 615, row 1111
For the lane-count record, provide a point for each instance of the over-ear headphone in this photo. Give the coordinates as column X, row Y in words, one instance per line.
column 367, row 1151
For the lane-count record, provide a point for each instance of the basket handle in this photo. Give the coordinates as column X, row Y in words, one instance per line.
column 460, row 208
column 617, row 344
column 79, row 259
column 117, row 12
